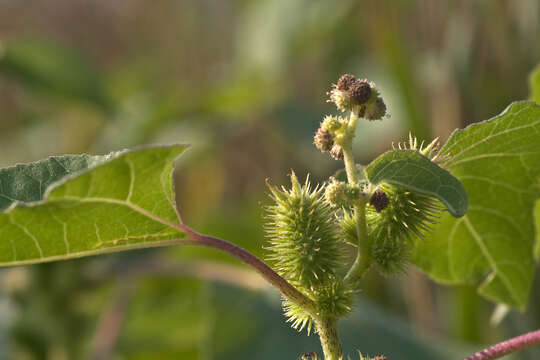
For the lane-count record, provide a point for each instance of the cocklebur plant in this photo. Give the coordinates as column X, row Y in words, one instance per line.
column 306, row 226
column 461, row 212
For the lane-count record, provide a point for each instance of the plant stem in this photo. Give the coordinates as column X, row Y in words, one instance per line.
column 286, row 289
column 363, row 257
column 327, row 330
column 506, row 347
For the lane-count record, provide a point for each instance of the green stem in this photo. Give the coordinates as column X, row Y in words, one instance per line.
column 363, row 257
column 328, row 333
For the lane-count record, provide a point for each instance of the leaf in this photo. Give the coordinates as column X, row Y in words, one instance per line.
column 53, row 69
column 498, row 162
column 249, row 325
column 416, row 172
column 27, row 182
column 534, row 84
column 116, row 202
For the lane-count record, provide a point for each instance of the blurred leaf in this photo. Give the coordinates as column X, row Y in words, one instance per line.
column 52, row 69
column 167, row 319
column 414, row 171
column 122, row 201
column 242, row 94
column 248, row 326
column 534, row 84
column 498, row 162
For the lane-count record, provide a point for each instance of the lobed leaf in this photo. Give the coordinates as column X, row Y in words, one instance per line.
column 414, row 171
column 77, row 205
column 498, row 162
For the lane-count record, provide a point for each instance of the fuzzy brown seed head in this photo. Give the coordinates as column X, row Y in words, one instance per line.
column 323, row 140
column 336, row 152
column 380, row 357
column 376, row 111
column 360, row 91
column 345, row 81
column 379, row 200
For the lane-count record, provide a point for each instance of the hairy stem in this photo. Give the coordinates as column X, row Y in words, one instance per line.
column 286, row 289
column 327, row 330
column 506, row 347
column 363, row 257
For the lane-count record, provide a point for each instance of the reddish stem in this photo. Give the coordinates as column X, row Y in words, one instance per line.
column 288, row 291
column 512, row 345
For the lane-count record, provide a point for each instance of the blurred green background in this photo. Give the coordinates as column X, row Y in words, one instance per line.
column 244, row 82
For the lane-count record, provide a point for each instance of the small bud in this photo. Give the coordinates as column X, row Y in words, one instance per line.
column 360, row 91
column 353, row 193
column 336, row 152
column 341, row 194
column 331, row 123
column 345, row 81
column 323, row 140
column 376, row 110
column 335, row 192
column 379, row 200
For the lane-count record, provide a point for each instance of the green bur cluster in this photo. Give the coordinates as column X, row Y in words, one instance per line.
column 308, row 226
column 305, row 249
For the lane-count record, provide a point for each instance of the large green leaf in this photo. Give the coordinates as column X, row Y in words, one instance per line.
column 27, row 183
column 120, row 201
column 416, row 172
column 498, row 162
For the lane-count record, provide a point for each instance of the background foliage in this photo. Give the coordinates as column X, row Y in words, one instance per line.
column 244, row 82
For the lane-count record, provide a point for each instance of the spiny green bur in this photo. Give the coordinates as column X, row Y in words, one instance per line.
column 305, row 249
column 407, row 217
column 303, row 237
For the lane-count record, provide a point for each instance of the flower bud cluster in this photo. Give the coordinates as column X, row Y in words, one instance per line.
column 324, row 140
column 350, row 93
